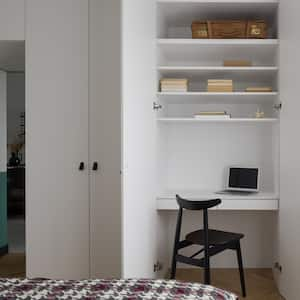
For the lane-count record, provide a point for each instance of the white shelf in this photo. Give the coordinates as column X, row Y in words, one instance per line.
column 258, row 201
column 266, row 75
column 219, row 42
column 209, row 97
column 232, row 120
column 220, row 1
column 230, row 94
column 202, row 69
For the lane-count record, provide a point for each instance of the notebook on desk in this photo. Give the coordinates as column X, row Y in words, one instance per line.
column 241, row 181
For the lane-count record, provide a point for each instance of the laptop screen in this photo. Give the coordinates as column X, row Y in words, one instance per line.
column 243, row 178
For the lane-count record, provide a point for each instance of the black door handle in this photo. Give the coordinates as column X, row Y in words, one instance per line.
column 95, row 166
column 81, row 166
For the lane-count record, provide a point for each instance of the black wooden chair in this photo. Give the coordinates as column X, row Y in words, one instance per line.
column 212, row 241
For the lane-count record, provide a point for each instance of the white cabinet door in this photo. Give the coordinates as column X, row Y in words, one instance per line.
column 289, row 213
column 139, row 136
column 57, row 192
column 105, row 138
column 12, row 16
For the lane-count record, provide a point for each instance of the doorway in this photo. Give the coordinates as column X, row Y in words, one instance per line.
column 12, row 158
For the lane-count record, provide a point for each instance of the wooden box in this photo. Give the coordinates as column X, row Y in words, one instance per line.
column 199, row 30
column 237, row 63
column 229, row 29
column 257, row 29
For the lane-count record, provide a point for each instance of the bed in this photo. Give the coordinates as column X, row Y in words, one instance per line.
column 124, row 289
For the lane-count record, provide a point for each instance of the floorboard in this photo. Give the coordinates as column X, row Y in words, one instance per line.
column 259, row 282
column 12, row 265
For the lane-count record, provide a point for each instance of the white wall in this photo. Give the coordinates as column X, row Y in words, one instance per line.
column 138, row 94
column 198, row 156
column 12, row 20
column 15, row 106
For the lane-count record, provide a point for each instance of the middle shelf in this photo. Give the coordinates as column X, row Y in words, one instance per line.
column 231, row 120
column 209, row 97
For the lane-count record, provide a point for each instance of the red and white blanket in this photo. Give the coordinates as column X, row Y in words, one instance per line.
column 124, row 289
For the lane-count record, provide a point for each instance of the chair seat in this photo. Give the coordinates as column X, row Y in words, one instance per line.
column 215, row 237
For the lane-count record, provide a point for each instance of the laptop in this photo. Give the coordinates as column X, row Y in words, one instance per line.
column 241, row 180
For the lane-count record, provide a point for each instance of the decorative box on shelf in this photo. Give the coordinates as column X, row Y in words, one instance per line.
column 229, row 29
column 257, row 29
column 237, row 63
column 200, row 30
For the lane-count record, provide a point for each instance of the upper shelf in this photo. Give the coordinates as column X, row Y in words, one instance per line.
column 218, row 42
column 274, row 2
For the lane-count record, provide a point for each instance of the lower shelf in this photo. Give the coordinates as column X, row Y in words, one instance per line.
column 258, row 201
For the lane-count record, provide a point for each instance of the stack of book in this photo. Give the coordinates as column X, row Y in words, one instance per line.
column 259, row 89
column 219, row 85
column 174, row 85
column 212, row 115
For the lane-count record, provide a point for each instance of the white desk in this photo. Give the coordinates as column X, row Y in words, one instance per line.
column 257, row 201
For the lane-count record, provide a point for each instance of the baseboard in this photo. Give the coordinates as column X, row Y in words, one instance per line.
column 4, row 250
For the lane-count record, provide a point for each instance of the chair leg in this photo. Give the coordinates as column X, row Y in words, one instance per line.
column 207, row 273
column 241, row 269
column 206, row 248
column 174, row 263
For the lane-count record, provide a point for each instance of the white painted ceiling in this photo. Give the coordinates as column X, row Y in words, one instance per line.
column 12, row 56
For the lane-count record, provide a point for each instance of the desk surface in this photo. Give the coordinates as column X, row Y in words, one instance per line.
column 255, row 201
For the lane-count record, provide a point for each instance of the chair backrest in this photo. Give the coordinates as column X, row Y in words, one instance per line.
column 197, row 205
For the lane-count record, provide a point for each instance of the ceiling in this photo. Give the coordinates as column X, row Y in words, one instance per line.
column 12, row 56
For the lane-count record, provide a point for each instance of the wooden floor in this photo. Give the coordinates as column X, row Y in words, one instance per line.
column 12, row 265
column 259, row 282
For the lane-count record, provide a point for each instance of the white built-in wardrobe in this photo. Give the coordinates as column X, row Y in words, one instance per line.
column 98, row 156
column 90, row 209
column 73, row 105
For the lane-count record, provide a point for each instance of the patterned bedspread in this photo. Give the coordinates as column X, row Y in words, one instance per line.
column 130, row 289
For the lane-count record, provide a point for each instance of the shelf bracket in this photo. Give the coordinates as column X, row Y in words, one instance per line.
column 278, row 106
column 156, row 106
